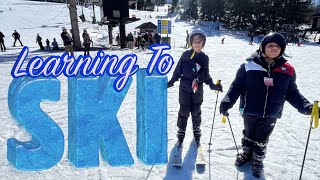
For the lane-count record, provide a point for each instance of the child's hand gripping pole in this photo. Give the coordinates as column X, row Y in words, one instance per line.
column 218, row 82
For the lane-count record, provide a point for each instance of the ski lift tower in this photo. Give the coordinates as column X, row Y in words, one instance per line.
column 114, row 13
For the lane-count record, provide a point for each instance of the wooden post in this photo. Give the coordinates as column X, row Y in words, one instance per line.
column 74, row 24
column 110, row 34
column 122, row 34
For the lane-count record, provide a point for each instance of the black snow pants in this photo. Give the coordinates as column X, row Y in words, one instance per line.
column 256, row 135
column 190, row 102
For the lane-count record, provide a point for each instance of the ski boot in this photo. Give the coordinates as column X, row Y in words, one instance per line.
column 242, row 159
column 257, row 168
column 198, row 144
column 197, row 135
column 180, row 135
column 246, row 155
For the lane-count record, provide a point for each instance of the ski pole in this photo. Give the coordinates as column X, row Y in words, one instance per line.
column 234, row 140
column 233, row 135
column 314, row 116
column 214, row 115
column 149, row 172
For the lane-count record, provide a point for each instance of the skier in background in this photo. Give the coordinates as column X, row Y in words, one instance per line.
column 2, row 46
column 67, row 41
column 222, row 40
column 86, row 42
column 48, row 45
column 251, row 38
column 39, row 41
column 16, row 37
column 157, row 38
column 55, row 46
column 187, row 40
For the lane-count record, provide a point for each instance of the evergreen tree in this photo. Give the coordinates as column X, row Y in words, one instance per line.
column 206, row 10
column 149, row 5
column 174, row 4
column 160, row 2
column 192, row 10
column 140, row 4
column 297, row 11
column 218, row 9
column 261, row 15
column 265, row 14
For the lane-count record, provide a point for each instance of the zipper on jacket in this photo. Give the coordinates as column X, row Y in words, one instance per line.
column 265, row 103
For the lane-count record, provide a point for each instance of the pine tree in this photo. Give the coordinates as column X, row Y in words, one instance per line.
column 297, row 11
column 206, row 10
column 192, row 10
column 160, row 2
column 174, row 4
column 149, row 5
column 140, row 4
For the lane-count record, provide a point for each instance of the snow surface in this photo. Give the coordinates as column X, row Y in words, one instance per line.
column 287, row 143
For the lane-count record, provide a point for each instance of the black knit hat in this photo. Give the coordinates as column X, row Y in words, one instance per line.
column 197, row 32
column 274, row 38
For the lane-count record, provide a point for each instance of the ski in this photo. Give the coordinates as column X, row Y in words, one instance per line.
column 177, row 159
column 200, row 161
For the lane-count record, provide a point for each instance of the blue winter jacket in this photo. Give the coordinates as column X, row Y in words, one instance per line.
column 261, row 100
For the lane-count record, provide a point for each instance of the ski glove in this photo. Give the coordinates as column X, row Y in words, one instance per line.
column 310, row 111
column 170, row 84
column 223, row 110
column 217, row 87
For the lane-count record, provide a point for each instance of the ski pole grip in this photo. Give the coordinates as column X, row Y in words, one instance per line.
column 218, row 81
column 315, row 114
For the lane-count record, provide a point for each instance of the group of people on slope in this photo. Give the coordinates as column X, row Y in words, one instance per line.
column 16, row 37
column 68, row 41
column 66, row 37
column 55, row 46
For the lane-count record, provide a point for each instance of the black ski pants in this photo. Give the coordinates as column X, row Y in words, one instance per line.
column 190, row 103
column 2, row 46
column 15, row 40
column 256, row 135
column 41, row 46
column 86, row 49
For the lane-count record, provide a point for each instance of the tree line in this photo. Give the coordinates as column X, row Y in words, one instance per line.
column 239, row 14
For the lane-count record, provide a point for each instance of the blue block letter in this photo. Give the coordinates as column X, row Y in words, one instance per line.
column 45, row 149
column 152, row 136
column 93, row 124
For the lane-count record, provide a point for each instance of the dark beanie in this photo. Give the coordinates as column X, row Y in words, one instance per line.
column 274, row 38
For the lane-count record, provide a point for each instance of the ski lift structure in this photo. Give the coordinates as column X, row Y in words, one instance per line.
column 147, row 27
column 115, row 13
